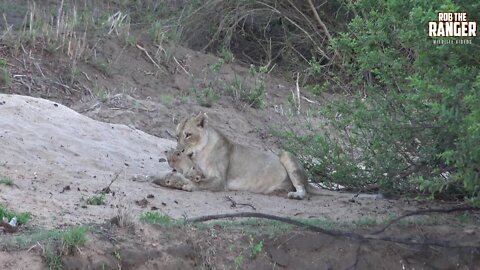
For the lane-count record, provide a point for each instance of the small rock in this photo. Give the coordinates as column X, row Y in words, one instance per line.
column 469, row 231
column 142, row 203
column 65, row 188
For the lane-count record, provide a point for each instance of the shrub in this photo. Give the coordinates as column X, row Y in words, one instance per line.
column 6, row 181
column 206, row 97
column 156, row 218
column 22, row 218
column 72, row 239
column 414, row 123
column 264, row 32
column 96, row 200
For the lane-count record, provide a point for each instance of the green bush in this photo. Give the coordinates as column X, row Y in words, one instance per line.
column 413, row 123
column 253, row 95
column 96, row 200
column 73, row 238
column 206, row 97
column 22, row 218
column 156, row 218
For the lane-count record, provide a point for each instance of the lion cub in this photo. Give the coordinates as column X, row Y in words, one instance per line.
column 185, row 174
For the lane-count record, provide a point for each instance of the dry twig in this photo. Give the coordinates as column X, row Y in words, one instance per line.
column 234, row 204
column 178, row 63
column 148, row 55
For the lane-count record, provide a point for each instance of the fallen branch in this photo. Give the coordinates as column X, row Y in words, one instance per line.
column 335, row 233
column 425, row 212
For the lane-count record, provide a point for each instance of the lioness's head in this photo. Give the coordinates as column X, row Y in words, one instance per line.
column 183, row 164
column 191, row 133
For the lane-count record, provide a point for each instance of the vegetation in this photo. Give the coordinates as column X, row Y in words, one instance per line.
column 73, row 238
column 206, row 97
column 255, row 248
column 406, row 125
column 4, row 73
column 238, row 262
column 22, row 218
column 96, row 200
column 156, row 218
column 55, row 243
column 6, row 181
column 167, row 100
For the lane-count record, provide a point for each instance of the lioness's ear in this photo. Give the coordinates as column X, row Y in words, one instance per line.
column 180, row 126
column 201, row 120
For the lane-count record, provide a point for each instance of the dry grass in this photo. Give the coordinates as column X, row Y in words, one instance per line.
column 265, row 32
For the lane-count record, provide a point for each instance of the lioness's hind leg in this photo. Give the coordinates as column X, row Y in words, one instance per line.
column 297, row 175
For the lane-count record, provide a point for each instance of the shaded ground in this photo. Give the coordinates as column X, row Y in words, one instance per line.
column 248, row 245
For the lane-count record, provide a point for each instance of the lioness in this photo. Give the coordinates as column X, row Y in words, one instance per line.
column 230, row 166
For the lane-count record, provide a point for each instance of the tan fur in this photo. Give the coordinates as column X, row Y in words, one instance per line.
column 174, row 180
column 186, row 175
column 230, row 166
column 184, row 165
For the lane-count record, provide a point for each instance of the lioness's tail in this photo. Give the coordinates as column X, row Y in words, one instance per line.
column 312, row 189
column 298, row 176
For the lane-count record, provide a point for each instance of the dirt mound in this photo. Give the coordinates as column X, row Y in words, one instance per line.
column 47, row 147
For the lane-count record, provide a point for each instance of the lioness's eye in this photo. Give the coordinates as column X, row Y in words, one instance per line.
column 187, row 135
